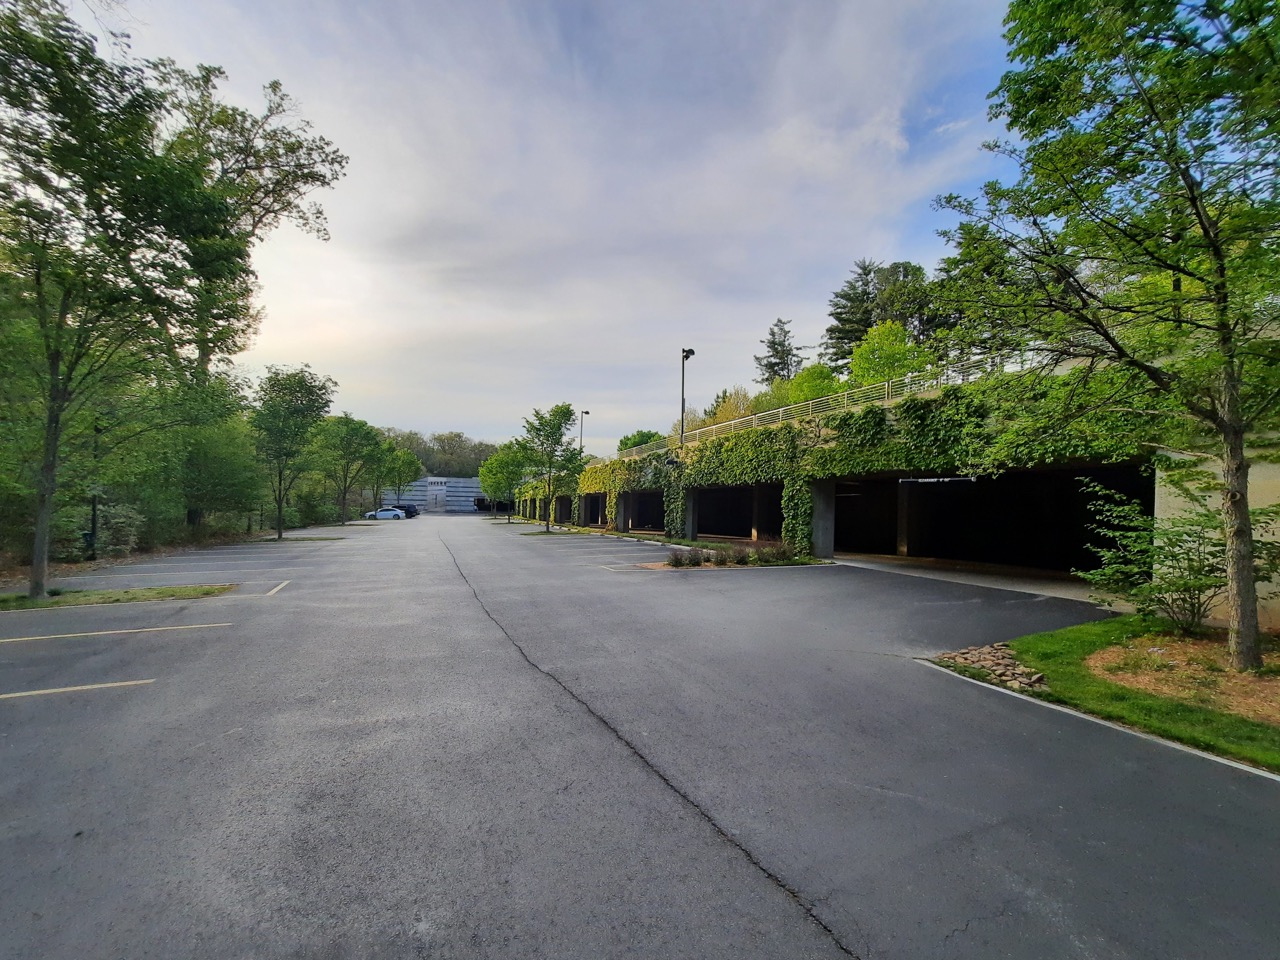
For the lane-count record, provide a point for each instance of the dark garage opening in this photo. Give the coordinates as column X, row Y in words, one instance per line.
column 592, row 510
column 564, row 510
column 649, row 513
column 736, row 511
column 867, row 516
column 1030, row 518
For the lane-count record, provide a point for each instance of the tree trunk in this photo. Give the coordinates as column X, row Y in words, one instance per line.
column 1242, row 591
column 46, row 487
column 279, row 491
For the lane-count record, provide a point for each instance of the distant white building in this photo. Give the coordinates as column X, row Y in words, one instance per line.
column 441, row 494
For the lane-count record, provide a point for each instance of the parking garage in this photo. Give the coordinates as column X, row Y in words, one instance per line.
column 1029, row 518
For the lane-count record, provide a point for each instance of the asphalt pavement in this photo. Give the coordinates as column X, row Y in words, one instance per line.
column 443, row 737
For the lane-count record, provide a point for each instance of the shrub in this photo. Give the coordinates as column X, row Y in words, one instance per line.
column 720, row 556
column 695, row 557
column 775, row 551
column 676, row 558
column 118, row 527
column 741, row 555
column 1173, row 567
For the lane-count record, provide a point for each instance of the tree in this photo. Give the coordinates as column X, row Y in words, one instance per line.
column 639, row 439
column 550, row 450
column 813, row 382
column 290, row 404
column 454, row 454
column 1143, row 234
column 903, row 294
column 850, row 311
column 402, row 468
column 219, row 471
column 886, row 353
column 731, row 404
column 103, row 238
column 502, row 472
column 346, row 448
column 781, row 359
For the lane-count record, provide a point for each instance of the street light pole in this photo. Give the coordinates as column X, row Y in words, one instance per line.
column 685, row 354
column 581, row 423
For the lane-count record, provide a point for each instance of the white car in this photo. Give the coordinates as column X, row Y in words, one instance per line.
column 385, row 513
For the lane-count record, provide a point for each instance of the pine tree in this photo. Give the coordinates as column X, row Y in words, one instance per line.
column 781, row 359
column 852, row 309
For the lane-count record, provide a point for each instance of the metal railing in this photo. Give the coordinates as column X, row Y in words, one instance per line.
column 880, row 393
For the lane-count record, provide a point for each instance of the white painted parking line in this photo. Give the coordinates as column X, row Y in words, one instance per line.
column 104, row 633
column 272, row 593
column 87, row 686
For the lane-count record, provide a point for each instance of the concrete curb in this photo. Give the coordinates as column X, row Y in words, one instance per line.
column 1107, row 723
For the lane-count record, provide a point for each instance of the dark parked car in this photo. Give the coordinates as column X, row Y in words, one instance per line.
column 410, row 509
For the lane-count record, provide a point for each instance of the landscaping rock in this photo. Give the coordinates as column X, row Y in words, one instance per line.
column 997, row 661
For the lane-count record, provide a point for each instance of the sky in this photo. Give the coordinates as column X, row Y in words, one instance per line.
column 547, row 200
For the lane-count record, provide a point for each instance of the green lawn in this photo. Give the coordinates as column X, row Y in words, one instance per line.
column 1060, row 656
column 77, row 598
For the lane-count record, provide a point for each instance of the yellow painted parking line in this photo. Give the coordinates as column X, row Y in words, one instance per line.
column 104, row 633
column 272, row 593
column 87, row 686
column 167, row 573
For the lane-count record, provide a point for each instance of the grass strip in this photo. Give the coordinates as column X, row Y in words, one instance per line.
column 1060, row 655
column 80, row 598
column 289, row 539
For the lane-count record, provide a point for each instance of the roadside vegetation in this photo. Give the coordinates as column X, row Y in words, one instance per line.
column 125, row 424
column 80, row 598
column 764, row 553
column 1141, row 673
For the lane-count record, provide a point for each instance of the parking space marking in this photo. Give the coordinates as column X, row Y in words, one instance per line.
column 104, row 633
column 272, row 593
column 87, row 686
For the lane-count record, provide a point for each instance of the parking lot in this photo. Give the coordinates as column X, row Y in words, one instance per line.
column 446, row 737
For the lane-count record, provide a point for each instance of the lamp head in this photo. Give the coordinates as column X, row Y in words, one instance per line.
column 687, row 352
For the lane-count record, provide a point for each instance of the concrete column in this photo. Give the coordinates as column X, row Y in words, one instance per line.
column 824, row 518
column 691, row 515
column 622, row 517
column 904, row 518
column 755, row 512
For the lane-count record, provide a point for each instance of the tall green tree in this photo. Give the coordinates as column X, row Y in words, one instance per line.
column 454, row 454
column 402, row 468
column 851, row 315
column 346, row 450
column 502, row 472
column 103, row 237
column 550, row 449
column 781, row 358
column 289, row 406
column 813, row 382
column 886, row 353
column 1142, row 237
column 264, row 165
column 904, row 295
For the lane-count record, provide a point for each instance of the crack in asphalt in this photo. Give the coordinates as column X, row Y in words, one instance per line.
column 1005, row 907
column 702, row 812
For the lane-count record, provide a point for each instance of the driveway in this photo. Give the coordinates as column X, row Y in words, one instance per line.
column 444, row 738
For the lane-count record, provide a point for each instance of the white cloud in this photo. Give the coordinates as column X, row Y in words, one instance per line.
column 547, row 200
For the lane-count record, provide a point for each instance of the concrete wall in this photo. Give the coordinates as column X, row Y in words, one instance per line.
column 1264, row 490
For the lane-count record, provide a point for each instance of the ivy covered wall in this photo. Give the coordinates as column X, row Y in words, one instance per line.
column 964, row 430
